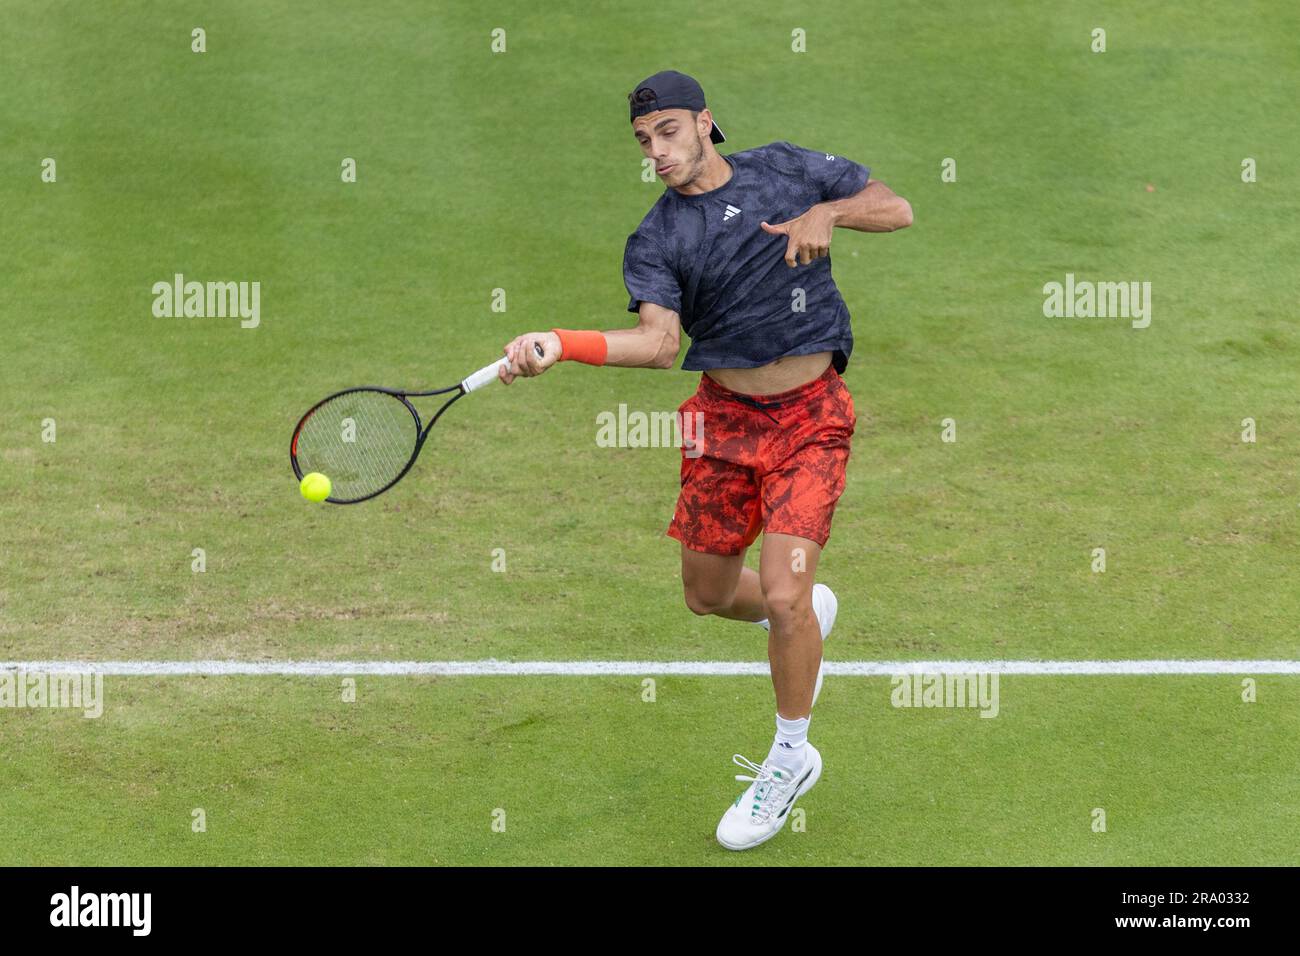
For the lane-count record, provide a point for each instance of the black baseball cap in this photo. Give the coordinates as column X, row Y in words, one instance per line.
column 670, row 90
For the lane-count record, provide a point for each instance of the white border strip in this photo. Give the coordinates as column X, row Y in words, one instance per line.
column 492, row 668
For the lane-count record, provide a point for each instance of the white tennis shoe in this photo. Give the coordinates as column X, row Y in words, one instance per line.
column 761, row 811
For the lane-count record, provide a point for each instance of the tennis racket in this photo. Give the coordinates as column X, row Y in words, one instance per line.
column 366, row 439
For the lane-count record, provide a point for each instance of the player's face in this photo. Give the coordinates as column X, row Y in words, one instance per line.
column 672, row 139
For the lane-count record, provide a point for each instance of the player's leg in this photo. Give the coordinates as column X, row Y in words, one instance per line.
column 717, row 518
column 799, row 490
column 787, row 568
column 721, row 584
column 787, row 564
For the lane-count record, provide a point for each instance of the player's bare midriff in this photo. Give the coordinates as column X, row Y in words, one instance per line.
column 779, row 376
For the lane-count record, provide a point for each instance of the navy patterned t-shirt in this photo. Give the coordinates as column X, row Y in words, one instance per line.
column 706, row 258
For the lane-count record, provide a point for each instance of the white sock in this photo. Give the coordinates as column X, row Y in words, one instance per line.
column 764, row 624
column 788, row 749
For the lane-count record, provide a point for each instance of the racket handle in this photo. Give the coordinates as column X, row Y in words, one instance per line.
column 483, row 376
column 488, row 373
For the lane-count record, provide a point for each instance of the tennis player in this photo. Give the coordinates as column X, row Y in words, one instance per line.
column 737, row 252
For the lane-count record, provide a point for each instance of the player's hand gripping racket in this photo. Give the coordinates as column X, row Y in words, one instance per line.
column 366, row 439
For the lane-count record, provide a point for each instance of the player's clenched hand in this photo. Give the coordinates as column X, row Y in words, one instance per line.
column 523, row 357
column 809, row 236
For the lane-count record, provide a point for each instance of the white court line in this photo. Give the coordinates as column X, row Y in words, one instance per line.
column 490, row 668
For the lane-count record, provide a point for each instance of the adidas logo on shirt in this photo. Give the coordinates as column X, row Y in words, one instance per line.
column 731, row 211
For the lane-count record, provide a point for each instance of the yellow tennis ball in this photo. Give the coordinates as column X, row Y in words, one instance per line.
column 315, row 487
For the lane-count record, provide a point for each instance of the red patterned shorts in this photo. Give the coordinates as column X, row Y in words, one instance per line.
column 746, row 469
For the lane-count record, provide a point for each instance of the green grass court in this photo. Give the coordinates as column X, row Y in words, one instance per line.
column 478, row 171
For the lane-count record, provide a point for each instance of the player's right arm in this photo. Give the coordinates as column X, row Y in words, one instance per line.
column 652, row 343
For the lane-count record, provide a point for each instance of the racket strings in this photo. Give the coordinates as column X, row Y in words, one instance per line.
column 372, row 452
column 360, row 440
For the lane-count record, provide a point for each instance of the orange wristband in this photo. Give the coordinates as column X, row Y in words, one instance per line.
column 588, row 347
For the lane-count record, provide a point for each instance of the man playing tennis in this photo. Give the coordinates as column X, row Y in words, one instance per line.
column 737, row 252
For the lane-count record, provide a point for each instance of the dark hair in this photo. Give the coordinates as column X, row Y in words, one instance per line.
column 641, row 96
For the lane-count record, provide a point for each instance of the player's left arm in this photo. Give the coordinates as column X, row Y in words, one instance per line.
column 876, row 208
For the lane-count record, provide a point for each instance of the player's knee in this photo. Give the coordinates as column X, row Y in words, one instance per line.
column 703, row 601
column 787, row 604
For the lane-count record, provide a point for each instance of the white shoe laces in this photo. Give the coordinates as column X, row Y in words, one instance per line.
column 768, row 787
